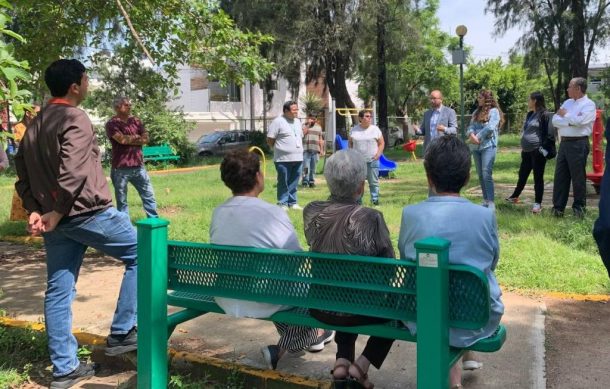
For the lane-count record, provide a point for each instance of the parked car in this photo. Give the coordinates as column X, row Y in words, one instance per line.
column 395, row 136
column 221, row 142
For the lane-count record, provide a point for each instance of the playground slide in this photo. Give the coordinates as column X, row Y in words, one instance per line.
column 385, row 165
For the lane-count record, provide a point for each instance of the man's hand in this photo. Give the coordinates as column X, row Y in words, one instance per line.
column 562, row 112
column 440, row 128
column 35, row 227
column 50, row 220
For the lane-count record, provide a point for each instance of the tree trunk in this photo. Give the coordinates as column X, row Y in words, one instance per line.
column 578, row 67
column 382, row 92
column 336, row 70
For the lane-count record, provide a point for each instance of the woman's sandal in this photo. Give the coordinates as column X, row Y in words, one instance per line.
column 457, row 386
column 362, row 380
column 340, row 374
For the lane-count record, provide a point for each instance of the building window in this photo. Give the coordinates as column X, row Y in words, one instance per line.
column 229, row 92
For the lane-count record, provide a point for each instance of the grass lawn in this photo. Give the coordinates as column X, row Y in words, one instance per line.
column 538, row 253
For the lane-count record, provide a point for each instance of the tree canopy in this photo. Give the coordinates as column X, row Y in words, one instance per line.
column 168, row 32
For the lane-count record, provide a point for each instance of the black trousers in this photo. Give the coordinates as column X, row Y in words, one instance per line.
column 376, row 349
column 571, row 167
column 531, row 160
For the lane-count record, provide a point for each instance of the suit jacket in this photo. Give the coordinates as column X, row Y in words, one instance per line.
column 448, row 118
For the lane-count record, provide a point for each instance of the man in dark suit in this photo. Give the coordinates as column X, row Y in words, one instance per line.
column 438, row 119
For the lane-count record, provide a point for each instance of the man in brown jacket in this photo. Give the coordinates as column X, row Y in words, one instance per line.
column 65, row 193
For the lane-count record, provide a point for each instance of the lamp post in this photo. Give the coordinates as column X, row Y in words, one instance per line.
column 459, row 57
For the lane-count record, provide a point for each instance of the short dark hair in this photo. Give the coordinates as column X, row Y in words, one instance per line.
column 447, row 163
column 288, row 104
column 362, row 112
column 238, row 170
column 61, row 74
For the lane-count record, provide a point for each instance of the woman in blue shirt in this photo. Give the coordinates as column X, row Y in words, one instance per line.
column 483, row 138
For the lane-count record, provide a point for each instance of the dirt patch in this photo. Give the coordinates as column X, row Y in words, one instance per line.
column 577, row 344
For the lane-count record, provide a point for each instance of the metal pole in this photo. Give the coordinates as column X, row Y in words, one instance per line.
column 462, row 128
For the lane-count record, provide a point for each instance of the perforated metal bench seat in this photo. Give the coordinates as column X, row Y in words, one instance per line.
column 300, row 316
column 429, row 291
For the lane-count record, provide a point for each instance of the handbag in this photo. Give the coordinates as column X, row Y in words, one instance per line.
column 547, row 139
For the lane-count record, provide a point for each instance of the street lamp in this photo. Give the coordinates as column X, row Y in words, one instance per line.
column 459, row 58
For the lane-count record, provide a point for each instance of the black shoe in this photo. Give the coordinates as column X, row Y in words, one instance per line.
column 579, row 213
column 82, row 372
column 271, row 354
column 375, row 202
column 323, row 339
column 312, row 185
column 121, row 344
column 304, row 185
column 556, row 212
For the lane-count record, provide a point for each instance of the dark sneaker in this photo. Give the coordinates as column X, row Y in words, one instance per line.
column 375, row 202
column 323, row 339
column 271, row 354
column 556, row 212
column 312, row 185
column 82, row 372
column 121, row 344
column 579, row 213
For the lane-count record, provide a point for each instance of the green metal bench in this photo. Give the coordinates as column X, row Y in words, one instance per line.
column 188, row 275
column 159, row 153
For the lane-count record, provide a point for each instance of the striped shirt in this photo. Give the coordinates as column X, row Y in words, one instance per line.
column 311, row 141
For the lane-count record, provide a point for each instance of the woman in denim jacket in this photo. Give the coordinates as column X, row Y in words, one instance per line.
column 483, row 137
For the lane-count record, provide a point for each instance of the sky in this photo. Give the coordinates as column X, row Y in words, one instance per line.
column 485, row 45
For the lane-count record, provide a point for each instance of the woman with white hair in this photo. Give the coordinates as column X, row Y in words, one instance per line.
column 341, row 225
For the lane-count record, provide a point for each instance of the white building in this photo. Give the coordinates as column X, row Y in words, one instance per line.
column 214, row 107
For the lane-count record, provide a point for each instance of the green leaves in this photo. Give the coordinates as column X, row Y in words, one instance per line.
column 12, row 72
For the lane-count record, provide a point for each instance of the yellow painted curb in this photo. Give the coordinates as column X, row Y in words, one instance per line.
column 23, row 239
column 269, row 378
column 578, row 297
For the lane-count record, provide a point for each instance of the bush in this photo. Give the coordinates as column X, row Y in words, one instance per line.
column 259, row 139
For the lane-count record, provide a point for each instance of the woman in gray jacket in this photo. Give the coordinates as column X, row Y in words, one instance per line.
column 537, row 126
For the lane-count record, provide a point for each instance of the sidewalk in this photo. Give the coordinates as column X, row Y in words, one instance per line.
column 520, row 363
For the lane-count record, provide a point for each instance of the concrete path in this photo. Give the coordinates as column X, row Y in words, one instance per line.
column 520, row 363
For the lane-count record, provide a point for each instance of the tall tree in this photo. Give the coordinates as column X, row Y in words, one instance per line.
column 169, row 32
column 559, row 35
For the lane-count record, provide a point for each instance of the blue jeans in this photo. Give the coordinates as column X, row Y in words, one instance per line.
column 310, row 159
column 484, row 162
column 140, row 180
column 372, row 176
column 108, row 231
column 288, row 174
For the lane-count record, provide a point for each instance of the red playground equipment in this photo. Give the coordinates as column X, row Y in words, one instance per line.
column 410, row 147
column 598, row 153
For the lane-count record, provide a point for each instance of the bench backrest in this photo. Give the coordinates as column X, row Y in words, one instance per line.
column 437, row 295
column 370, row 286
column 152, row 151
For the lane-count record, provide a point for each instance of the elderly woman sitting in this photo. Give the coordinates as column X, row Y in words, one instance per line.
column 470, row 228
column 246, row 220
column 342, row 226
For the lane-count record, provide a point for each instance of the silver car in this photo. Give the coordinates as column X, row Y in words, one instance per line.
column 221, row 142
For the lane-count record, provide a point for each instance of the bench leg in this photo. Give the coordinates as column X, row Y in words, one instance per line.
column 152, row 304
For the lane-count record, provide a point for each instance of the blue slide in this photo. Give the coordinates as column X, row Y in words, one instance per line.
column 385, row 165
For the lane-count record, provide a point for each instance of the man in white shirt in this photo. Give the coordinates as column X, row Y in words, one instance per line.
column 285, row 137
column 574, row 122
